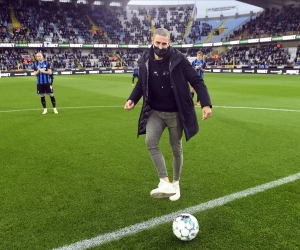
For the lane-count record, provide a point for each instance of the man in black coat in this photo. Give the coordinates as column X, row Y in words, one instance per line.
column 164, row 78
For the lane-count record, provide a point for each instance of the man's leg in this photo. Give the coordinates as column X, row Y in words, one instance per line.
column 154, row 129
column 43, row 101
column 192, row 93
column 53, row 101
column 198, row 101
column 175, row 134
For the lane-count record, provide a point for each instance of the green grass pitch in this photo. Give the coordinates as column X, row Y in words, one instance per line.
column 83, row 173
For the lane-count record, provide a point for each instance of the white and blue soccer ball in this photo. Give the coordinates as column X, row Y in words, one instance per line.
column 185, row 227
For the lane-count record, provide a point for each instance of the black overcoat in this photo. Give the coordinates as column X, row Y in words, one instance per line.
column 181, row 74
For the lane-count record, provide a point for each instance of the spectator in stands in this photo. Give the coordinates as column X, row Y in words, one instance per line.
column 52, row 73
column 291, row 61
column 261, row 65
column 199, row 65
column 266, row 65
column 135, row 72
column 167, row 104
column 42, row 72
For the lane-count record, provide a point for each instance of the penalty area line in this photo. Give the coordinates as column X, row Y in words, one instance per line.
column 136, row 228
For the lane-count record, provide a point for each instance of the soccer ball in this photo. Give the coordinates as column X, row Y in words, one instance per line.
column 185, row 227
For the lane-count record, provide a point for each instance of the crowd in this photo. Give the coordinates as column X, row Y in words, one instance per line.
column 253, row 56
column 16, row 59
column 48, row 22
column 272, row 22
column 61, row 24
column 199, row 29
column 54, row 23
column 262, row 57
column 13, row 59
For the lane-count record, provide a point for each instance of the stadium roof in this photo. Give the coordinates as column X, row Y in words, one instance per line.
column 266, row 3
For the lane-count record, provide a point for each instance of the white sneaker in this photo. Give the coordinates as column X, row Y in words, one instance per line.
column 55, row 111
column 165, row 189
column 44, row 112
column 176, row 196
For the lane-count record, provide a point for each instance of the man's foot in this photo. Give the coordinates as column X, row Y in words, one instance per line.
column 44, row 112
column 165, row 189
column 176, row 196
column 132, row 84
column 55, row 111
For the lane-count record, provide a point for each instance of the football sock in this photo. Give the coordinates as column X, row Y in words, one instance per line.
column 43, row 101
column 53, row 101
column 192, row 94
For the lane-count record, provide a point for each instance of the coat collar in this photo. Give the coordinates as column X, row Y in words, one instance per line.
column 175, row 57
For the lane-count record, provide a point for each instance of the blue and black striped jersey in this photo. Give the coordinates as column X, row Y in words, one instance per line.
column 201, row 63
column 42, row 78
column 135, row 69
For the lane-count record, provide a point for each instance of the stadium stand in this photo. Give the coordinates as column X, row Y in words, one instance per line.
column 217, row 29
column 104, row 24
column 271, row 22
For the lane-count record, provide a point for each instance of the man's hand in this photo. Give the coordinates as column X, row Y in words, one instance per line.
column 206, row 112
column 129, row 105
column 37, row 72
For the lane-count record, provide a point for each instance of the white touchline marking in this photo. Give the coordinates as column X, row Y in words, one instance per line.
column 80, row 107
column 136, row 228
column 272, row 109
column 88, row 107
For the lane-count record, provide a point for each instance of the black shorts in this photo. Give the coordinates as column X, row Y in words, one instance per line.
column 136, row 75
column 45, row 88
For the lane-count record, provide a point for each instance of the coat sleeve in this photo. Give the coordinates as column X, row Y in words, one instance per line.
column 197, row 83
column 139, row 89
column 137, row 92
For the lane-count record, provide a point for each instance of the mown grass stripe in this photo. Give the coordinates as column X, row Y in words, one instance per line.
column 87, row 107
column 136, row 228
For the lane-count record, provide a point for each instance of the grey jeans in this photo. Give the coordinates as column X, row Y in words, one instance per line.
column 156, row 124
